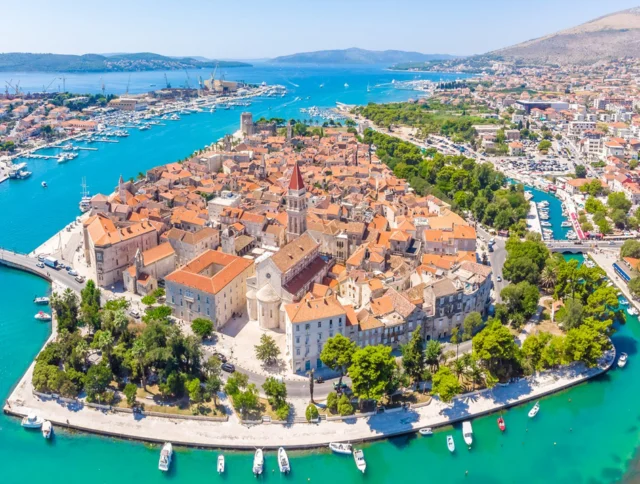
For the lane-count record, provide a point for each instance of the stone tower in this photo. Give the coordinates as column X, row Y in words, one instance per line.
column 246, row 123
column 261, row 171
column 121, row 190
column 289, row 130
column 296, row 205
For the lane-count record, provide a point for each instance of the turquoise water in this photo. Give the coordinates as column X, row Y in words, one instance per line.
column 594, row 426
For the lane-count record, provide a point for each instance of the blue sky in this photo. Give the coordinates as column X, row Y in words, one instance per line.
column 267, row 28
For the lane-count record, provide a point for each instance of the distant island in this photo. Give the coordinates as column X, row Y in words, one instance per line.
column 143, row 61
column 359, row 56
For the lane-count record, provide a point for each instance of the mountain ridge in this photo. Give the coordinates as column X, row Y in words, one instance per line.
column 356, row 55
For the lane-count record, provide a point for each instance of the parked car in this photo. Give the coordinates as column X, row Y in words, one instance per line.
column 344, row 386
column 221, row 357
column 41, row 258
column 134, row 313
column 228, row 367
column 72, row 273
column 499, row 278
column 79, row 279
column 40, row 265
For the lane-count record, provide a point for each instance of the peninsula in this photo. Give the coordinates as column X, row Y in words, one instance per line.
column 359, row 56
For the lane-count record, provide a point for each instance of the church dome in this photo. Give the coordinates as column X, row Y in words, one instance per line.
column 268, row 294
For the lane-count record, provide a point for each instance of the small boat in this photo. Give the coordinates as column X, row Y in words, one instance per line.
column 426, row 431
column 451, row 445
column 42, row 316
column 358, row 456
column 165, row 457
column 534, row 411
column 467, row 433
column 623, row 301
column 340, row 448
column 220, row 464
column 258, row 462
column 32, row 421
column 283, row 461
column 632, row 311
column 41, row 300
column 44, row 184
column 622, row 361
column 346, row 85
column 501, row 425
column 47, row 429
column 566, row 224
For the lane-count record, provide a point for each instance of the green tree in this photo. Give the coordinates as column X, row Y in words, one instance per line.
column 97, row 379
column 337, row 354
column 445, row 384
column 471, row 323
column 66, row 309
column 236, row 383
column 130, row 391
column 581, row 171
column 573, row 313
column 344, row 406
column 202, row 327
column 433, row 354
column 332, row 401
column 630, row 248
column 604, row 226
column 521, row 300
column 246, row 401
column 371, row 371
column 634, row 286
column 148, row 300
column 212, row 385
column 544, row 145
column 194, row 388
column 275, row 390
column 496, row 350
column 532, row 349
column 412, row 355
column 618, row 200
column 311, row 413
column 267, row 351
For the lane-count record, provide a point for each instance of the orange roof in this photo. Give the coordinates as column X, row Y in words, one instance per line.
column 296, row 182
column 314, row 309
column 157, row 253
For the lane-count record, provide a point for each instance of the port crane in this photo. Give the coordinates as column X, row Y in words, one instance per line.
column 188, row 79
column 102, row 87
column 45, row 89
column 126, row 93
column 167, row 81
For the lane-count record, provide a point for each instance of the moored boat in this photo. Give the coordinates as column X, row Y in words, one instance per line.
column 622, row 361
column 220, row 464
column 165, row 457
column 451, row 445
column 426, row 431
column 283, row 461
column 32, row 421
column 632, row 311
column 358, row 456
column 258, row 462
column 340, row 448
column 501, row 425
column 534, row 410
column 47, row 429
column 467, row 432
column 42, row 316
column 41, row 300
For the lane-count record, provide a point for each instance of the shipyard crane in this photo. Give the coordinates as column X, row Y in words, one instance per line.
column 64, row 84
column 45, row 89
column 102, row 87
column 188, row 79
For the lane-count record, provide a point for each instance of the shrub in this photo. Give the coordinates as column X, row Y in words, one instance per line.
column 130, row 391
column 344, row 406
column 311, row 413
column 148, row 300
column 202, row 327
column 332, row 401
column 282, row 412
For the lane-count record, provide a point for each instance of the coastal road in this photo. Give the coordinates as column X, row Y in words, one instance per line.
column 28, row 264
column 496, row 260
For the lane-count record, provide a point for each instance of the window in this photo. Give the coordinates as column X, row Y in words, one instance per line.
column 297, row 351
column 306, row 326
column 297, row 328
column 99, row 257
column 319, row 324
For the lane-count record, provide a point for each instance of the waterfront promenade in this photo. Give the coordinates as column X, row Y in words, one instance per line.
column 236, row 435
column 27, row 263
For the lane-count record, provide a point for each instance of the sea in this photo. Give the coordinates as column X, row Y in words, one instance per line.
column 588, row 434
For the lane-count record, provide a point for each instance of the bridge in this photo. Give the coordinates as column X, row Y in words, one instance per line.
column 23, row 262
column 581, row 246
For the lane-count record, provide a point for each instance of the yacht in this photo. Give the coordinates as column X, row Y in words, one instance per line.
column 340, row 448
column 451, row 445
column 47, row 429
column 85, row 201
column 42, row 316
column 258, row 462
column 545, row 223
column 32, row 421
column 358, row 456
column 283, row 461
column 165, row 457
column 221, row 464
column 67, row 147
column 622, row 361
column 23, row 174
column 41, row 300
column 534, row 410
column 467, row 432
column 426, row 431
column 566, row 224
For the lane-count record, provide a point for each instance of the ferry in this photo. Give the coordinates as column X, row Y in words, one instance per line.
column 358, row 457
column 32, row 421
column 283, row 461
column 622, row 361
column 258, row 462
column 42, row 316
column 220, row 464
column 451, row 445
column 41, row 300
column 47, row 429
column 467, row 433
column 165, row 457
column 340, row 448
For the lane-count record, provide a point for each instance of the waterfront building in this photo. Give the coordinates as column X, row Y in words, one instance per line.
column 212, row 286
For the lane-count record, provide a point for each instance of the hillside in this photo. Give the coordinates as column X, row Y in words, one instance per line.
column 142, row 61
column 607, row 37
column 358, row 56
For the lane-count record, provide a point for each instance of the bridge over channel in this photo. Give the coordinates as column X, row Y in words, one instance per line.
column 581, row 247
column 24, row 262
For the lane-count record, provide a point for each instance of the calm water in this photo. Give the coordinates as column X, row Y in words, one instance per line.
column 594, row 426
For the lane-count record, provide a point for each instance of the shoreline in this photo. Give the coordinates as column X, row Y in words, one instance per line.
column 235, row 435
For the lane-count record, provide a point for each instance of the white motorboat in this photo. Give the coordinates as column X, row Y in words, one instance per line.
column 42, row 316
column 258, row 462
column 346, row 85
column 534, row 410
column 632, row 311
column 622, row 361
column 426, row 431
column 467, row 432
column 566, row 224
column 44, row 184
column 358, row 456
column 41, row 300
column 165, row 457
column 32, row 421
column 622, row 301
column 283, row 461
column 47, row 429
column 451, row 445
column 340, row 448
column 220, row 464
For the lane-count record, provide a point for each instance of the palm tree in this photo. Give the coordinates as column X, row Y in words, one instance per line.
column 548, row 277
column 139, row 352
column 458, row 367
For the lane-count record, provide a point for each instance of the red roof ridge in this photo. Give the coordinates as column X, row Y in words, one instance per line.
column 296, row 182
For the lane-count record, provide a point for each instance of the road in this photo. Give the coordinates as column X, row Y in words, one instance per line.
column 28, row 264
column 496, row 260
